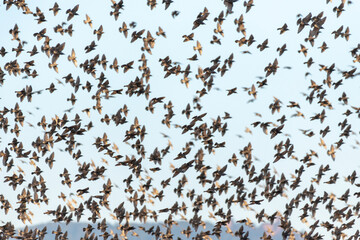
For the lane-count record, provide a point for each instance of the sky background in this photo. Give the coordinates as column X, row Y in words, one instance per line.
column 287, row 85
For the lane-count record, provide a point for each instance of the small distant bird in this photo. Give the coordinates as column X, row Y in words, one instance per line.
column 55, row 8
column 198, row 47
column 283, row 29
column 161, row 33
column 88, row 21
column 72, row 12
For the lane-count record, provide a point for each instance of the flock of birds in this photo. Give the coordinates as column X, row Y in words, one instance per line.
column 145, row 197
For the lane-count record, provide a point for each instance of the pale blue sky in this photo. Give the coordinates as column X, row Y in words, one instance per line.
column 287, row 85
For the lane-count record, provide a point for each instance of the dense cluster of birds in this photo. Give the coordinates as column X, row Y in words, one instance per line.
column 218, row 192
